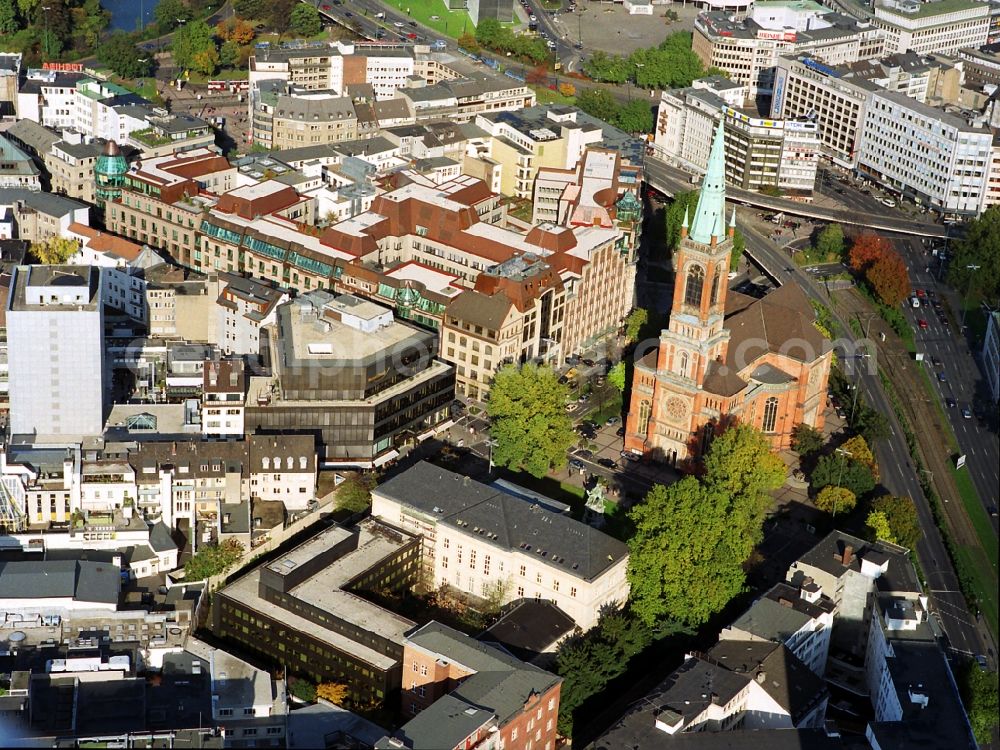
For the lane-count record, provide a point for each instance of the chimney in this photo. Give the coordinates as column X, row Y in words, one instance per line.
column 848, row 555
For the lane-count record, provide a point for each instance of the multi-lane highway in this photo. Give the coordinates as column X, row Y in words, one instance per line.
column 957, row 378
column 897, row 473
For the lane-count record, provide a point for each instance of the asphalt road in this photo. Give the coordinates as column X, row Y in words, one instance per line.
column 668, row 179
column 897, row 473
column 964, row 380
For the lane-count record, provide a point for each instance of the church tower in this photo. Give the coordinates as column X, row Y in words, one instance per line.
column 669, row 410
column 696, row 336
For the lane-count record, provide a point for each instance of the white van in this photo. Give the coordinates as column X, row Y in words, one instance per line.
column 380, row 15
column 915, row 301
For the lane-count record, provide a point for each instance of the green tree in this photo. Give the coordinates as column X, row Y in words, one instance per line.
column 206, row 61
column 834, row 500
column 597, row 103
column 121, row 55
column 250, row 8
column 192, row 39
column 878, row 527
column 635, row 322
column 306, row 20
column 693, row 538
column 55, row 23
column 527, row 408
column 680, row 564
column 279, row 14
column 872, row 424
column 588, row 661
column 610, row 68
column 304, row 690
column 901, row 514
column 980, row 246
column 616, row 376
column 830, row 242
column 170, row 14
column 229, row 53
column 979, row 691
column 635, row 117
column 89, row 20
column 839, row 471
column 212, row 560
column 355, row 493
column 489, row 32
column 806, row 439
column 8, row 17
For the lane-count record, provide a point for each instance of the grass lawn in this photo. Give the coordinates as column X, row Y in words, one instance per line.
column 977, row 515
column 546, row 95
column 234, row 74
column 984, row 582
column 435, row 15
column 147, row 88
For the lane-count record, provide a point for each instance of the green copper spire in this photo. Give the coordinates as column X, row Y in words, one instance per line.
column 709, row 216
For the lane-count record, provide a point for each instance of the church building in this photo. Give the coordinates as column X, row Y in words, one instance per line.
column 726, row 357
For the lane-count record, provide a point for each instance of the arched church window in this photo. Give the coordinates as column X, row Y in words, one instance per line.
column 717, row 283
column 770, row 414
column 643, row 417
column 695, row 282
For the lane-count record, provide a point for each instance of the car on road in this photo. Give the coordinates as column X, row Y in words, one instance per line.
column 936, row 361
column 981, row 661
column 942, row 378
column 576, row 464
column 920, row 293
column 607, row 463
column 992, row 510
column 398, row 24
column 577, row 45
column 629, row 456
column 923, row 324
column 532, row 17
column 326, row 7
column 966, row 412
column 413, row 24
column 411, row 36
column 613, row 420
column 572, row 407
column 950, row 402
column 888, row 202
column 348, row 14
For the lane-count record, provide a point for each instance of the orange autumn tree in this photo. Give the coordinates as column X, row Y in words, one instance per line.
column 867, row 249
column 889, row 278
column 235, row 30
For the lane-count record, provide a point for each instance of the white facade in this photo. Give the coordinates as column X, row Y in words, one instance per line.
column 99, row 119
column 50, row 100
column 685, row 124
column 466, row 561
column 804, row 87
column 912, row 26
column 937, row 158
column 55, row 337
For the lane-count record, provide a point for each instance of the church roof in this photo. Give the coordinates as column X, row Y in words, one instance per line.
column 710, row 214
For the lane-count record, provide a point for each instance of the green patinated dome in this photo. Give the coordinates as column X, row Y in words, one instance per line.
column 407, row 297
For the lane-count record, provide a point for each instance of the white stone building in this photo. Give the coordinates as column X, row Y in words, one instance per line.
column 941, row 27
column 283, row 469
column 222, row 398
column 937, row 158
column 483, row 541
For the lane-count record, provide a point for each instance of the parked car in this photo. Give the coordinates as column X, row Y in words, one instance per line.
column 585, row 454
column 613, row 420
column 620, row 432
column 607, row 463
column 966, row 412
column 577, row 464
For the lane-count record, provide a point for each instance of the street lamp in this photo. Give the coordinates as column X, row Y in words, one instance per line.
column 46, row 8
column 840, row 476
column 968, row 291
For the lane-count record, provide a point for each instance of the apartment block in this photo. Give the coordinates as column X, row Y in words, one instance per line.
column 991, row 355
column 923, row 27
column 478, row 539
column 223, row 393
column 243, row 309
column 449, row 691
column 939, row 159
column 748, row 49
column 48, row 97
column 303, row 117
column 462, row 99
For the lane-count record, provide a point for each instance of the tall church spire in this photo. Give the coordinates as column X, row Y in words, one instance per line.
column 709, row 216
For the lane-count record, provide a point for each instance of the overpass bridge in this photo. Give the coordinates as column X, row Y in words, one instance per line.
column 670, row 180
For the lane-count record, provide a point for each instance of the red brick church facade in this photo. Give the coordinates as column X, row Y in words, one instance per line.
column 725, row 357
